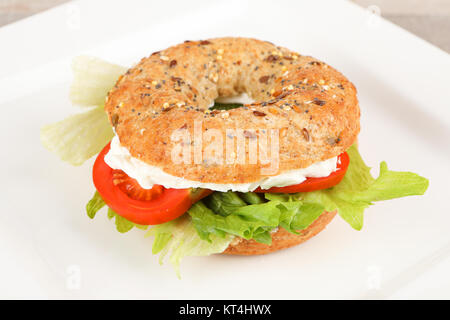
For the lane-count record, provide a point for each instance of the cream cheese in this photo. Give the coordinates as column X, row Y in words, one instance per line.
column 241, row 98
column 147, row 175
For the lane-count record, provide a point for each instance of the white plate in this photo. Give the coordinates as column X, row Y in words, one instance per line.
column 50, row 249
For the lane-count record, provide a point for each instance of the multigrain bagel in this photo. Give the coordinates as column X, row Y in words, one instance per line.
column 313, row 106
column 281, row 239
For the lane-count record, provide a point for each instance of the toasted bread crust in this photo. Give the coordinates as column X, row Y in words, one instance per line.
column 313, row 106
column 281, row 239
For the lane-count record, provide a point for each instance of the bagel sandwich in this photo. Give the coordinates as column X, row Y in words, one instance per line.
column 226, row 145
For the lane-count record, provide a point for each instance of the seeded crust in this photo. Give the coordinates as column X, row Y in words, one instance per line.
column 313, row 106
column 281, row 239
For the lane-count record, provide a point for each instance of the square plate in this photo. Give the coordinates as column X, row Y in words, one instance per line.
column 50, row 249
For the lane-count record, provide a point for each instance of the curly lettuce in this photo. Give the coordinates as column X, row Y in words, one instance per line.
column 358, row 190
column 78, row 137
column 81, row 136
column 122, row 225
column 253, row 221
column 93, row 78
column 179, row 238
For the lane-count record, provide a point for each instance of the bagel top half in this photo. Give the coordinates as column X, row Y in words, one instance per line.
column 313, row 106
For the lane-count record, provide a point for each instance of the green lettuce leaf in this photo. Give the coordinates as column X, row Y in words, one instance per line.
column 225, row 106
column 207, row 223
column 251, row 197
column 224, row 203
column 298, row 216
column 358, row 190
column 226, row 213
column 78, row 137
column 83, row 135
column 389, row 185
column 254, row 221
column 94, row 205
column 122, row 225
column 179, row 239
column 93, row 78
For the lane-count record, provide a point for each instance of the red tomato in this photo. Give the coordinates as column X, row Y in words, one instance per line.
column 132, row 188
column 312, row 184
column 142, row 206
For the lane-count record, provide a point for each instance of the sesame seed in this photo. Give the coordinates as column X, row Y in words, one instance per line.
column 164, row 58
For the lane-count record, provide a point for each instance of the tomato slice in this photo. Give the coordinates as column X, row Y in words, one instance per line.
column 142, row 206
column 132, row 188
column 312, row 184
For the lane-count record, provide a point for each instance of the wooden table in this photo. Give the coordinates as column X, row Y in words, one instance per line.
column 428, row 19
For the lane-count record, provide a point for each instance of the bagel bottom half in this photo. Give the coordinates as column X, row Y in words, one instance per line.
column 281, row 239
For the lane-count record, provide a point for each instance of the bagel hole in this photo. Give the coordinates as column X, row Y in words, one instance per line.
column 232, row 102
